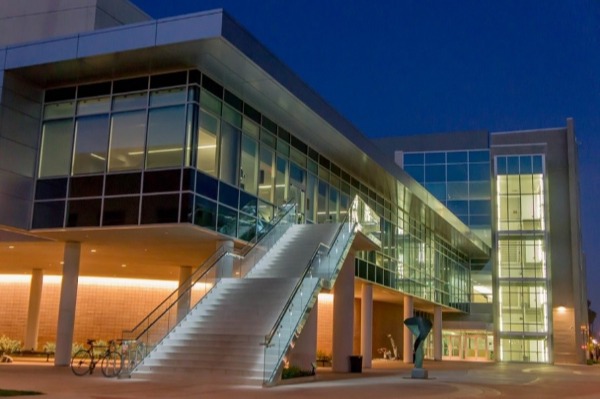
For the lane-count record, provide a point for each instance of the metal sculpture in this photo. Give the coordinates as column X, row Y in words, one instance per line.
column 420, row 328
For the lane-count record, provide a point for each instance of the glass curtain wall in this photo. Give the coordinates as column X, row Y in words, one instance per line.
column 180, row 148
column 522, row 277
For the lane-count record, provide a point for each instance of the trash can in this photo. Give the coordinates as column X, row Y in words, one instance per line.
column 356, row 364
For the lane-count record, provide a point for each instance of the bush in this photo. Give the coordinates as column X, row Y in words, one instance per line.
column 8, row 346
column 50, row 347
column 294, row 372
column 323, row 356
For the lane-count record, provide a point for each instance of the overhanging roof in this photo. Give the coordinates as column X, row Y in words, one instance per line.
column 213, row 42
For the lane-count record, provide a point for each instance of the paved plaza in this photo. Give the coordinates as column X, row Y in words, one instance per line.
column 387, row 379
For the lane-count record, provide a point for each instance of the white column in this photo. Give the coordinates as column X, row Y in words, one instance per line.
column 407, row 355
column 305, row 348
column 437, row 332
column 343, row 316
column 366, row 325
column 68, row 299
column 33, row 312
column 183, row 305
column 226, row 264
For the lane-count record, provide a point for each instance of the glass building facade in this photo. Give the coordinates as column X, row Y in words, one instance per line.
column 458, row 179
column 180, row 148
column 523, row 280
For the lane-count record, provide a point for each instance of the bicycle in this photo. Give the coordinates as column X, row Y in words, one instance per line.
column 84, row 361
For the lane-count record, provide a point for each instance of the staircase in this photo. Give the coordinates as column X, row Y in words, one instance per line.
column 220, row 340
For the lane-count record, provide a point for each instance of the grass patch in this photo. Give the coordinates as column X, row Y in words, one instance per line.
column 12, row 392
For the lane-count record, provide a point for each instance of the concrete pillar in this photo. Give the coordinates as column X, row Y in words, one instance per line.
column 437, row 332
column 407, row 356
column 305, row 348
column 366, row 325
column 183, row 305
column 226, row 264
column 33, row 312
column 67, row 302
column 343, row 316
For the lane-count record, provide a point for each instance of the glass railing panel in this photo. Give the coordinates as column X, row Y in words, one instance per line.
column 323, row 267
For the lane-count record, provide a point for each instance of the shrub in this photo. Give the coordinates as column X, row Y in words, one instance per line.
column 294, row 372
column 50, row 347
column 8, row 346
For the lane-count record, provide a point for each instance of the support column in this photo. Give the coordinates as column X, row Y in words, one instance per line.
column 226, row 264
column 305, row 348
column 33, row 312
column 67, row 302
column 366, row 325
column 343, row 316
column 437, row 332
column 407, row 356
column 183, row 305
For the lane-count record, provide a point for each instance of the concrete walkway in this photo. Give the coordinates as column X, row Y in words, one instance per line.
column 387, row 379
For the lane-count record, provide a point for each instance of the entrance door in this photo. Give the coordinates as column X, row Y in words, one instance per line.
column 451, row 347
column 299, row 194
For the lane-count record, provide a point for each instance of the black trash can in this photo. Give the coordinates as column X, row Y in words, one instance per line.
column 356, row 364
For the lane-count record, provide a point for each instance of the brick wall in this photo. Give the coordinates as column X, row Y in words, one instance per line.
column 103, row 310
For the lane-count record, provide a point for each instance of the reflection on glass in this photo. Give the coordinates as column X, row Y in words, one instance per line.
column 59, row 110
column 93, row 106
column 266, row 176
column 166, row 136
column 230, row 151
column 128, row 133
column 168, row 97
column 91, row 144
column 249, row 169
column 281, row 177
column 57, row 138
column 207, row 143
column 130, row 101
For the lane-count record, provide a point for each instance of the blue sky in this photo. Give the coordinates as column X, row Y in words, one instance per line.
column 423, row 66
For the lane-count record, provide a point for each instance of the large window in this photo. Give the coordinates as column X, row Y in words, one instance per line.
column 57, row 139
column 91, row 144
column 166, row 137
column 128, row 136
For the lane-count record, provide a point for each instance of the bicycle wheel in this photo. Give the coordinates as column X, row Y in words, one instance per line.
column 81, row 362
column 111, row 364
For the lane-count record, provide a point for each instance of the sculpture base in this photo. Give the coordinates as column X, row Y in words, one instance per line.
column 420, row 374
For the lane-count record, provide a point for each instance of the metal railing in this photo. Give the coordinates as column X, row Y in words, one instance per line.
column 223, row 263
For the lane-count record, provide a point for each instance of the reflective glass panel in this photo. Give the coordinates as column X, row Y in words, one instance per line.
column 93, row 106
column 91, row 144
column 229, row 154
column 207, row 143
column 127, row 140
column 166, row 137
column 266, row 175
column 249, row 165
column 130, row 101
column 59, row 110
column 57, row 138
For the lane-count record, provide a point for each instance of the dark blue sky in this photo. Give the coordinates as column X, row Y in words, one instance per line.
column 422, row 66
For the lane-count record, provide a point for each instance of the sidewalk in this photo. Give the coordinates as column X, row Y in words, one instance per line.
column 387, row 379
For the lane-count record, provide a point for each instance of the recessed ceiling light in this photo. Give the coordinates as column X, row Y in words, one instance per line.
column 62, row 263
column 11, row 247
column 123, row 265
column 93, row 251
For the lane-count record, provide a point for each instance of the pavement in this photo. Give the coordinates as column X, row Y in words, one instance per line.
column 386, row 379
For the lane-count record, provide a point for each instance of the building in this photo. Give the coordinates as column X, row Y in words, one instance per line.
column 530, row 216
column 132, row 149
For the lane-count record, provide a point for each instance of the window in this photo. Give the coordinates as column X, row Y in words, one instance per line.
column 127, row 140
column 91, row 144
column 55, row 158
column 249, row 162
column 166, row 137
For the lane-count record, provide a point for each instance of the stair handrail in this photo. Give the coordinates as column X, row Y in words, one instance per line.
column 307, row 270
column 190, row 281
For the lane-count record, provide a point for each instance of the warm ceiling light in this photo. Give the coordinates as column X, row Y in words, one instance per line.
column 11, row 247
column 123, row 265
column 93, row 251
